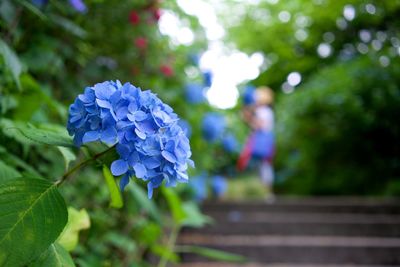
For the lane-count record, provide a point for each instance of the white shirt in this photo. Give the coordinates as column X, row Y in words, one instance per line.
column 265, row 115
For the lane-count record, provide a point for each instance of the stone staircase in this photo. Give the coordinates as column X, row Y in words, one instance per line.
column 301, row 232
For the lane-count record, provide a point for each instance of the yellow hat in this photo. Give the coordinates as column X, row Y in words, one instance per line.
column 264, row 95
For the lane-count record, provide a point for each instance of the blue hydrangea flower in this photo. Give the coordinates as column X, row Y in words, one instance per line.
column 249, row 95
column 199, row 186
column 194, row 93
column 229, row 143
column 207, row 77
column 218, row 185
column 187, row 129
column 213, row 126
column 78, row 5
column 150, row 143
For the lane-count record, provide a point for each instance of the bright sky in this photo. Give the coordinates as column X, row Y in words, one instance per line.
column 229, row 67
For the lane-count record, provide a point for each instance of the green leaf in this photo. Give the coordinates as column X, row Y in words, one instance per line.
column 214, row 254
column 194, row 217
column 12, row 62
column 115, row 193
column 7, row 173
column 175, row 205
column 68, row 155
column 143, row 202
column 44, row 136
column 69, row 26
column 121, row 241
column 54, row 256
column 32, row 215
column 77, row 221
column 34, row 9
column 165, row 252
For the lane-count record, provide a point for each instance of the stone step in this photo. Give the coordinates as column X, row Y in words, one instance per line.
column 301, row 217
column 230, row 264
column 307, row 228
column 294, row 205
column 300, row 249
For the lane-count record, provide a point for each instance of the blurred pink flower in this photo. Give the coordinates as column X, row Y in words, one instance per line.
column 166, row 70
column 134, row 18
column 141, row 42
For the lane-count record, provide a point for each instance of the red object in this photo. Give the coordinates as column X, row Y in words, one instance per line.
column 245, row 155
column 141, row 43
column 134, row 18
column 166, row 70
column 156, row 13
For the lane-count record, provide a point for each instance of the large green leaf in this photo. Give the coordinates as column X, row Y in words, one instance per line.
column 54, row 256
column 44, row 136
column 77, row 220
column 12, row 61
column 32, row 215
column 115, row 193
column 7, row 172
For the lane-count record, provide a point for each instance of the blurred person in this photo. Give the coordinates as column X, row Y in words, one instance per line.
column 260, row 145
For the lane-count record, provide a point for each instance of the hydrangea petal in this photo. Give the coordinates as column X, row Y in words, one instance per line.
column 119, row 167
column 90, row 136
column 168, row 156
column 140, row 170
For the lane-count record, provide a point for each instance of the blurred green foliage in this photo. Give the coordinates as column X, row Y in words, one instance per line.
column 48, row 54
column 338, row 130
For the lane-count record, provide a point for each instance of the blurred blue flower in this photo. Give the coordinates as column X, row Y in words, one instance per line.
column 187, row 129
column 249, row 95
column 213, row 126
column 199, row 187
column 230, row 143
column 78, row 5
column 150, row 143
column 218, row 185
column 207, row 76
column 194, row 93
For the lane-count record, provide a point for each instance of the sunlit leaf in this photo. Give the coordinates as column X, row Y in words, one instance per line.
column 115, row 193
column 77, row 221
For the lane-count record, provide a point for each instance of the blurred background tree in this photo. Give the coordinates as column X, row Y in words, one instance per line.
column 335, row 65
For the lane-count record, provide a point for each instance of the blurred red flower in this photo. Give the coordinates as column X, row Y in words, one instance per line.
column 134, row 18
column 166, row 70
column 141, row 42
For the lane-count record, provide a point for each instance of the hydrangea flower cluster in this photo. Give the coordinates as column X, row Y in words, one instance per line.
column 213, row 126
column 218, row 185
column 229, row 143
column 150, row 143
column 249, row 95
column 194, row 93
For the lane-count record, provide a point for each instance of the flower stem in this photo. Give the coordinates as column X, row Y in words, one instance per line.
column 82, row 164
column 170, row 245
